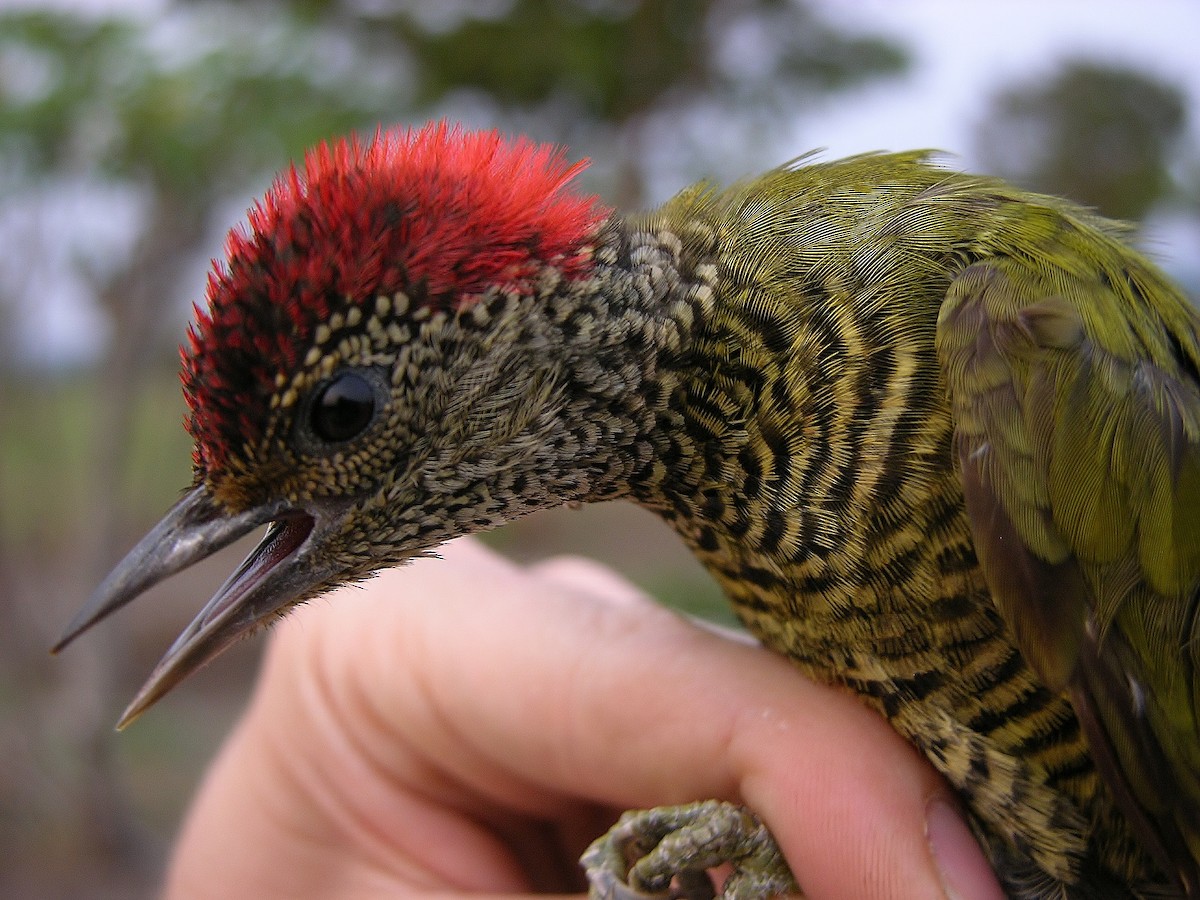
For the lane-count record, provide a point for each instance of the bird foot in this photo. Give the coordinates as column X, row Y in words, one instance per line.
column 665, row 854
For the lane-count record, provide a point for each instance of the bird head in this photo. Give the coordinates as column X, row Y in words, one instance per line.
column 373, row 374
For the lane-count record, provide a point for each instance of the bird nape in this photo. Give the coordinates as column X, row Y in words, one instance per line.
column 937, row 438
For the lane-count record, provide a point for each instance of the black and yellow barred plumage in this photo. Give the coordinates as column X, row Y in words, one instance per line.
column 813, row 468
column 938, row 439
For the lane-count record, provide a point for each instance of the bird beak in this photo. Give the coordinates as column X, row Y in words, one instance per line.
column 257, row 591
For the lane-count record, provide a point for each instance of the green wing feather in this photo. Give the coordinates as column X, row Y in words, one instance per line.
column 1073, row 371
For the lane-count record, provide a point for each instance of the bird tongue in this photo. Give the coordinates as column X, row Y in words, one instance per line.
column 283, row 537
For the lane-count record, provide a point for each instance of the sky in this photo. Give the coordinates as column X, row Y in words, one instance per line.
column 962, row 51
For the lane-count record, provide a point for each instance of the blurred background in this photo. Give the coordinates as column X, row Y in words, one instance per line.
column 134, row 134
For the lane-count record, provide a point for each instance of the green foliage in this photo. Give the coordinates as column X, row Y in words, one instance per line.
column 46, row 439
column 98, row 96
column 1101, row 135
column 608, row 63
column 618, row 59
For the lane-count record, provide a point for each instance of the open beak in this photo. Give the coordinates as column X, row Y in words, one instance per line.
column 267, row 582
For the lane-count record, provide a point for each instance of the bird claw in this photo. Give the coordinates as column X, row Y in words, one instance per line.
column 607, row 885
column 665, row 854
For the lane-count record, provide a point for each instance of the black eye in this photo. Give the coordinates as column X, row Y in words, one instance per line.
column 343, row 407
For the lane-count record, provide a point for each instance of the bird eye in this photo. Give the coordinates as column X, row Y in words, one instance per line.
column 342, row 408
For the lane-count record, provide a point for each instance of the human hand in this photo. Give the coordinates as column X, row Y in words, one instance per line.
column 467, row 726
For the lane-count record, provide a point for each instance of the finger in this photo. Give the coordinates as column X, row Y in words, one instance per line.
column 582, row 575
column 528, row 699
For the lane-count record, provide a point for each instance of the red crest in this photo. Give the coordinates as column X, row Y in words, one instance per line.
column 439, row 213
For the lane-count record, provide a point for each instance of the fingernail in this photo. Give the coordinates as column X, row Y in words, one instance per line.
column 964, row 872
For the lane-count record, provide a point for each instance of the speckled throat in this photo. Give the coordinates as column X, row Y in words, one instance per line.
column 800, row 443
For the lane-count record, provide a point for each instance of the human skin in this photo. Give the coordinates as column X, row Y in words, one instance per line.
column 467, row 726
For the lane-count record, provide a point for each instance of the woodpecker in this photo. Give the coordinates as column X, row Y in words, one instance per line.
column 937, row 438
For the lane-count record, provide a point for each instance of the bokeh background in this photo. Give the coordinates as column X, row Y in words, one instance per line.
column 134, row 134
